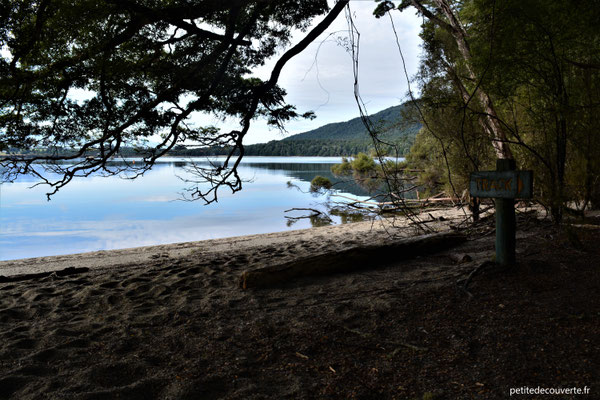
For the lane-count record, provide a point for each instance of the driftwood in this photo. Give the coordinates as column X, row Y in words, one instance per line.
column 350, row 259
column 463, row 284
column 399, row 201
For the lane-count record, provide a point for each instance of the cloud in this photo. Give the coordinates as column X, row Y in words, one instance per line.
column 321, row 77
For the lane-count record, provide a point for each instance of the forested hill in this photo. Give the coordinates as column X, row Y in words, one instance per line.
column 346, row 138
column 394, row 124
column 389, row 121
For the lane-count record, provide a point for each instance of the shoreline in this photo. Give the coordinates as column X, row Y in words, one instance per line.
column 335, row 236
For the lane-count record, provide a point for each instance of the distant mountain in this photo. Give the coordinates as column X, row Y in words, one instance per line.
column 396, row 125
column 391, row 122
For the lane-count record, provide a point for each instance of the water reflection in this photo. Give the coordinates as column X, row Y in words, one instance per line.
column 98, row 213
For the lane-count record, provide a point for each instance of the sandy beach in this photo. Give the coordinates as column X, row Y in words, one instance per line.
column 170, row 322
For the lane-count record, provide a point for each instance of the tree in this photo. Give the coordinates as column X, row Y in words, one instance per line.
column 146, row 68
column 528, row 73
column 541, row 73
column 442, row 14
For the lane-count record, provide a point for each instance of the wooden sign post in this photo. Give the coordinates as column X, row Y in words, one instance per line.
column 504, row 185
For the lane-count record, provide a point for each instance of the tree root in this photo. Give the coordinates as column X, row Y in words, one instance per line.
column 463, row 284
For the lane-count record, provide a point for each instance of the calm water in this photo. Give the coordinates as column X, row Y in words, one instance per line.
column 98, row 213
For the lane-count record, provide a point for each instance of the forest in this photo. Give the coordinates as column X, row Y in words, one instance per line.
column 510, row 79
column 305, row 147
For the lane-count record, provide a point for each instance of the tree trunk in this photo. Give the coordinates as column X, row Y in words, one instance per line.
column 499, row 140
column 454, row 27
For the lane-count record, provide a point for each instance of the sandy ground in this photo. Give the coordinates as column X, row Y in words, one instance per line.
column 170, row 322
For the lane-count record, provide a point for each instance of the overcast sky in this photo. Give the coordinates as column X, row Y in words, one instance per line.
column 320, row 78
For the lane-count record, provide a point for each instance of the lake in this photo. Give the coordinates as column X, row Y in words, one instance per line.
column 100, row 213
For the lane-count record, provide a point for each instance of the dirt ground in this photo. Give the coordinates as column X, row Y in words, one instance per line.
column 180, row 328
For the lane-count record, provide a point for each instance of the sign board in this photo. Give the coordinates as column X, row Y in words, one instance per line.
column 502, row 184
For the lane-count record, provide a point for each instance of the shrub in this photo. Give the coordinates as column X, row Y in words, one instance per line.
column 363, row 164
column 342, row 169
column 320, row 182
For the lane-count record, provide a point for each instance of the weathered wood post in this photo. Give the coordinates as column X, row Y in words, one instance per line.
column 503, row 185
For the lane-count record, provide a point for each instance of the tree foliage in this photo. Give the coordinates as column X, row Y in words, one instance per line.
column 370, row 174
column 539, row 63
column 320, row 183
column 96, row 76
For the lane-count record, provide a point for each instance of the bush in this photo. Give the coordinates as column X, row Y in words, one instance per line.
column 342, row 169
column 363, row 164
column 320, row 182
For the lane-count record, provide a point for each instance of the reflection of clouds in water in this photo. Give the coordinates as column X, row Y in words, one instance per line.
column 110, row 213
column 82, row 236
column 154, row 199
column 56, row 233
column 158, row 185
column 25, row 203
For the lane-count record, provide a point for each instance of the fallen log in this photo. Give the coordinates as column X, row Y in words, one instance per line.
column 583, row 226
column 350, row 259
